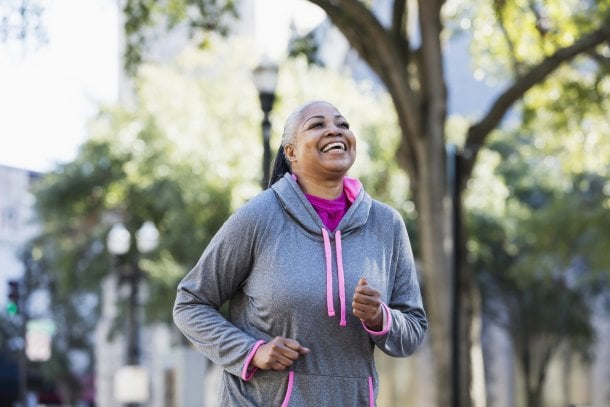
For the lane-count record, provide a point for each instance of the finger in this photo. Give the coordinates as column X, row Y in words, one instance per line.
column 359, row 314
column 367, row 307
column 366, row 290
column 292, row 344
column 279, row 347
column 296, row 346
column 284, row 361
column 366, row 300
column 278, row 366
column 362, row 281
column 364, row 312
column 288, row 353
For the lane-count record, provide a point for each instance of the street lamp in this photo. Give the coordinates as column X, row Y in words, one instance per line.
column 265, row 79
column 131, row 384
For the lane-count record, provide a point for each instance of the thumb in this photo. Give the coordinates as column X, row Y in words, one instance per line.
column 362, row 281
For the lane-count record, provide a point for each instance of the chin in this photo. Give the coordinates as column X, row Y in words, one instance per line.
column 339, row 169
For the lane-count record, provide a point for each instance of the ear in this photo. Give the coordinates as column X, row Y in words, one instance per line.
column 289, row 152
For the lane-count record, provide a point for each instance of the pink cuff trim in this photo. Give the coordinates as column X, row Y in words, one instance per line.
column 387, row 322
column 246, row 372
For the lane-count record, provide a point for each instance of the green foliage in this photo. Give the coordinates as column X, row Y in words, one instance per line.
column 540, row 254
column 510, row 36
column 305, row 45
column 145, row 18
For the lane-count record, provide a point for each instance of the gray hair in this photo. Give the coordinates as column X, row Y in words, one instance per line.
column 294, row 119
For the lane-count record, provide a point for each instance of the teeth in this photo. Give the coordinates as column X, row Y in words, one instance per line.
column 330, row 146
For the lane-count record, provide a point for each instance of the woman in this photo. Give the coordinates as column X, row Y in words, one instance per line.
column 318, row 274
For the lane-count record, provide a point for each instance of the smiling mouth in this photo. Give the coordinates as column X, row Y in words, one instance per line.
column 335, row 146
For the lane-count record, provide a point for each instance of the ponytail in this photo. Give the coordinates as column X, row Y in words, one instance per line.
column 280, row 167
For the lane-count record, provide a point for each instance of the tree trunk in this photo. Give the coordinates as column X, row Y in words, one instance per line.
column 436, row 244
column 534, row 396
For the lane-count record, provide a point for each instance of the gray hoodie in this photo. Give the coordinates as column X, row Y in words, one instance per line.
column 286, row 275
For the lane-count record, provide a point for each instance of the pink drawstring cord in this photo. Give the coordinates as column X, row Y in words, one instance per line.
column 341, row 277
column 288, row 389
column 329, row 276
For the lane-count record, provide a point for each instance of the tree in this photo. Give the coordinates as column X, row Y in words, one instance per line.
column 114, row 178
column 406, row 53
column 539, row 257
column 144, row 17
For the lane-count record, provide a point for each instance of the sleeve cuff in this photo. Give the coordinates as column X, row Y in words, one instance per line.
column 387, row 322
column 247, row 373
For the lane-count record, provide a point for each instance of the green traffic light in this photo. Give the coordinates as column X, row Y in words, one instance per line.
column 12, row 308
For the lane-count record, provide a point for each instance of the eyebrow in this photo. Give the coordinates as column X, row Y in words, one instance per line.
column 337, row 116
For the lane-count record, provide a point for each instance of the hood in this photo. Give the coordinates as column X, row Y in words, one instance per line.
column 294, row 202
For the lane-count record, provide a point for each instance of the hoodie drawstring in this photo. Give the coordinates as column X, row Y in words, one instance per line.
column 329, row 277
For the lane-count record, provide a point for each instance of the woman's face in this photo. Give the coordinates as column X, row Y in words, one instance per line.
column 324, row 145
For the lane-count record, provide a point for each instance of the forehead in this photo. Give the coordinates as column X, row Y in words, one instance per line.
column 319, row 109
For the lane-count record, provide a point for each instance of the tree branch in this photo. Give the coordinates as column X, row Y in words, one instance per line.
column 398, row 20
column 375, row 46
column 537, row 74
column 498, row 6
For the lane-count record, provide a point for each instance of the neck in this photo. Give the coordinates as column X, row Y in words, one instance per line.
column 326, row 189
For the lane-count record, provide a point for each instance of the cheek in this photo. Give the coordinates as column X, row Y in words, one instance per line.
column 353, row 142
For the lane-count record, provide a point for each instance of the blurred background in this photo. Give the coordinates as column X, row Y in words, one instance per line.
column 131, row 129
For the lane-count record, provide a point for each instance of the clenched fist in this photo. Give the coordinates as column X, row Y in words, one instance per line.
column 366, row 305
column 278, row 354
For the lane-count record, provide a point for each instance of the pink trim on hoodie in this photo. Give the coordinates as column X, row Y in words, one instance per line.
column 352, row 187
column 288, row 389
column 340, row 277
column 387, row 322
column 246, row 372
column 329, row 275
column 371, row 392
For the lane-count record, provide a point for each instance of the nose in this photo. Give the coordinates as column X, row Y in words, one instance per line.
column 333, row 129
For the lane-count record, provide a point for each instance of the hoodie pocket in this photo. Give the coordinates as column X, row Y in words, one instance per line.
column 288, row 389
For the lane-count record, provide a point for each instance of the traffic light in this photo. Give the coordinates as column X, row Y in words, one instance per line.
column 13, row 298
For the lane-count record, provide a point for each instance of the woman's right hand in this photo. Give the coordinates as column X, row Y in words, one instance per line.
column 278, row 354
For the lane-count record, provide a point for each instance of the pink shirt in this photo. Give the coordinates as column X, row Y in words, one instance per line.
column 331, row 211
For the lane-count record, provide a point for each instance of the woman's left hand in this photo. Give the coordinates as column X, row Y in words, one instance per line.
column 366, row 305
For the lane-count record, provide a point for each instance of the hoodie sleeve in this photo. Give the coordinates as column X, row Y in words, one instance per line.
column 219, row 273
column 406, row 318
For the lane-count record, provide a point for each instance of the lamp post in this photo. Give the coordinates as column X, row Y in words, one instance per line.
column 119, row 243
column 265, row 79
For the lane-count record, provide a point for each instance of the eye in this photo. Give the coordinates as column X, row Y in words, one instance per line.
column 345, row 125
column 316, row 124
